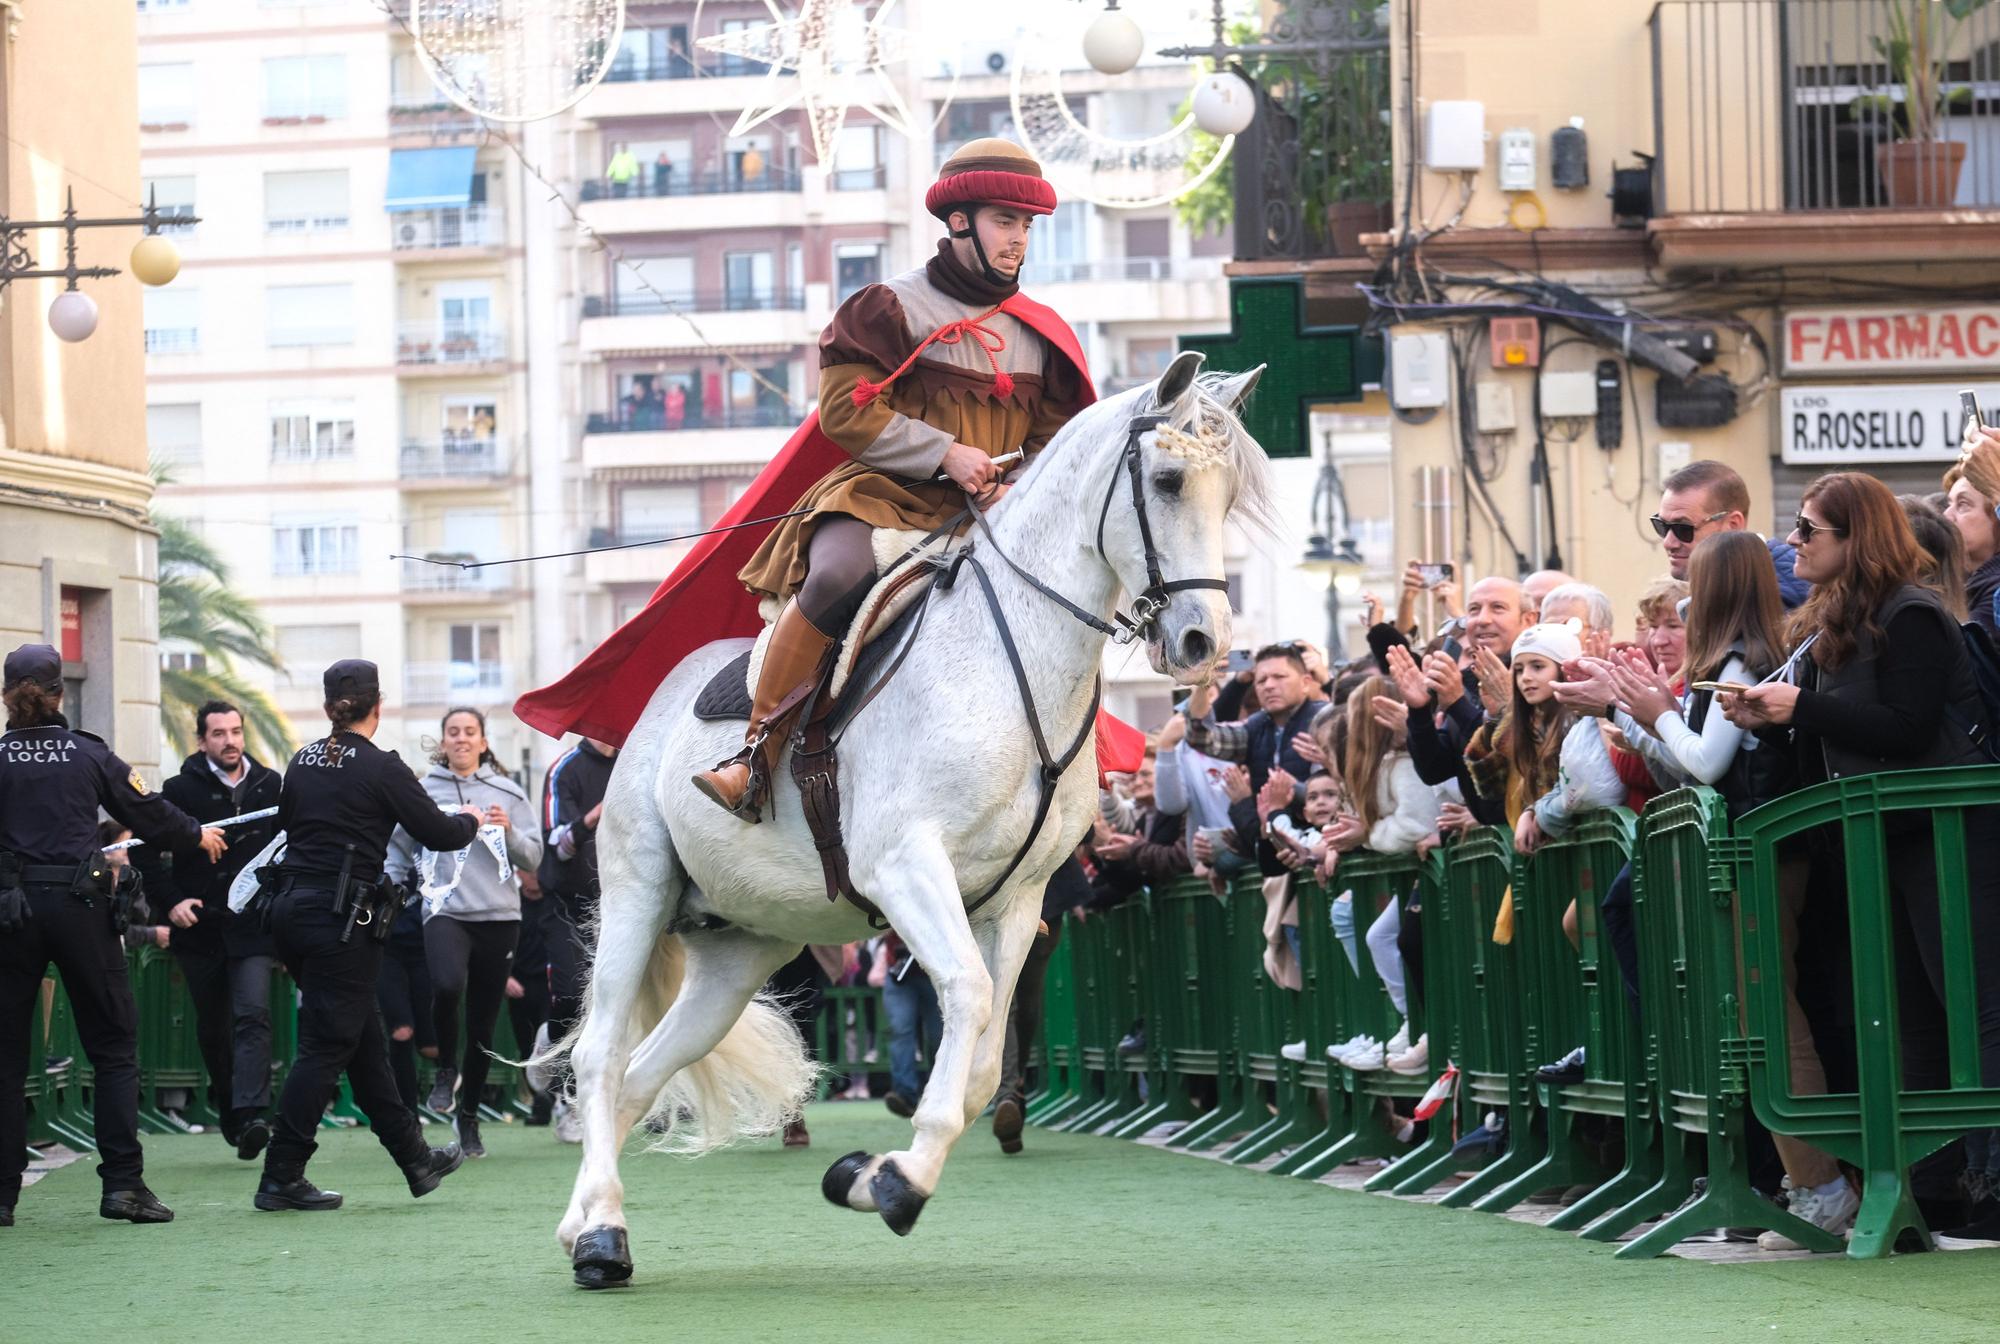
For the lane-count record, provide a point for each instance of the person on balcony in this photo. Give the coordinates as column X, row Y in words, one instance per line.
column 622, row 171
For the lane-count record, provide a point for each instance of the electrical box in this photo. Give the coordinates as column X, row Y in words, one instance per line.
column 1517, row 160
column 1455, row 137
column 1674, row 454
column 1494, row 407
column 1516, row 342
column 1419, row 371
column 1697, row 343
column 1569, row 156
column 1705, row 401
column 1569, row 395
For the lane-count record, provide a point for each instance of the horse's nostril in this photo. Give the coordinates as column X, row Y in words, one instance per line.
column 1196, row 647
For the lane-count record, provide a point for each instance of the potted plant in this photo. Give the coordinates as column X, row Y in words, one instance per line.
column 1916, row 164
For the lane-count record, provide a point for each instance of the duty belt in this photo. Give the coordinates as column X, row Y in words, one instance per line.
column 47, row 874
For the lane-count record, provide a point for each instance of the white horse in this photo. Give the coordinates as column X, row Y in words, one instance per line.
column 940, row 783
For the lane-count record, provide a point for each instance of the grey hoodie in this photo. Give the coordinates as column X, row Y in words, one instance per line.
column 481, row 896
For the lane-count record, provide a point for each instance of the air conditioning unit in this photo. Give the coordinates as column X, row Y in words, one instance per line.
column 415, row 231
column 996, row 62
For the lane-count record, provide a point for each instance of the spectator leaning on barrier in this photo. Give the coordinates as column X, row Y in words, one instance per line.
column 1289, row 703
column 1943, row 550
column 1879, row 680
column 1707, row 497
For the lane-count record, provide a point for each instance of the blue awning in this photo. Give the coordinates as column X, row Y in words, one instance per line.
column 426, row 179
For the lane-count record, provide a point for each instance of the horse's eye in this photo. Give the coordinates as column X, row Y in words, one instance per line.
column 1169, row 482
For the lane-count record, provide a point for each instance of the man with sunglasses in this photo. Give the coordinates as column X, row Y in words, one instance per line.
column 1707, row 497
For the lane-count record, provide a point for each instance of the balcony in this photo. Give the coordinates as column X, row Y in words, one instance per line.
column 427, row 114
column 446, row 580
column 770, row 320
column 669, row 84
column 457, row 683
column 645, row 565
column 727, row 201
column 449, row 345
column 173, row 340
column 448, row 230
column 451, row 460
column 695, row 301
column 742, row 437
column 1784, row 133
column 1133, row 289
column 716, row 182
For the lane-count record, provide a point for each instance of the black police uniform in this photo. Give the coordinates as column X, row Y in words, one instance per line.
column 52, row 781
column 343, row 797
column 225, row 958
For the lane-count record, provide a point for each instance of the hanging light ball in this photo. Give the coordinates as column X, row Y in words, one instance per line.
column 155, row 261
column 1113, row 43
column 1224, row 104
column 73, row 315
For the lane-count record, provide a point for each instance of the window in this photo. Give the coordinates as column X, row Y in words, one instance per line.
column 1147, row 240
column 306, row 649
column 665, row 510
column 310, row 547
column 747, row 280
column 311, row 431
column 740, row 65
column 175, row 197
column 173, row 433
column 649, row 284
column 855, row 266
column 858, row 160
column 173, row 321
column 192, row 661
column 1147, row 357
column 476, row 644
column 469, row 421
column 166, row 96
column 301, row 88
column 309, row 315
column 297, row 201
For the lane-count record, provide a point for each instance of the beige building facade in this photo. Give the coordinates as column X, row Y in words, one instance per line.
column 78, row 561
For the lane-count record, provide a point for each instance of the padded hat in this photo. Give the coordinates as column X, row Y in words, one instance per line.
column 990, row 172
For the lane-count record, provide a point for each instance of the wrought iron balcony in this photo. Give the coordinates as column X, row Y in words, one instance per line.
column 453, row 458
column 449, row 343
column 695, row 301
column 448, row 227
column 658, row 418
column 453, row 682
column 678, row 182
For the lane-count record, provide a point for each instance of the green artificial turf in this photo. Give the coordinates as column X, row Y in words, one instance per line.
column 1078, row 1239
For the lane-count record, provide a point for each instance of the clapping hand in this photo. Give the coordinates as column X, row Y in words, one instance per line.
column 1117, row 846
column 1644, row 694
column 1307, row 746
column 1346, row 833
column 1276, row 794
column 1456, row 819
column 1409, row 678
column 1444, row 679
column 1590, row 693
column 1236, row 783
column 1496, row 684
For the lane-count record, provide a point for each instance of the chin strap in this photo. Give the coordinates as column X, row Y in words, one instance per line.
column 993, row 277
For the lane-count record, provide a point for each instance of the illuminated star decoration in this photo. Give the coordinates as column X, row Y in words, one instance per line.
column 840, row 59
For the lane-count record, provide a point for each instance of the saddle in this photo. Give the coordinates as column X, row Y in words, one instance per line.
column 866, row 657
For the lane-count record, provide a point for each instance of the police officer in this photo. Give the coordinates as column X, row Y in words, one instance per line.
column 328, row 905
column 56, row 905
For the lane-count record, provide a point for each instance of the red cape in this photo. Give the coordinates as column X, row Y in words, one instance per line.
column 703, row 601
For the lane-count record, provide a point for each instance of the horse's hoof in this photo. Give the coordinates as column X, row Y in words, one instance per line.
column 603, row 1258
column 840, row 1178
column 898, row 1200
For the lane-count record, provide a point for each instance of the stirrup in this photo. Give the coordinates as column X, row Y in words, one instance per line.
column 750, row 807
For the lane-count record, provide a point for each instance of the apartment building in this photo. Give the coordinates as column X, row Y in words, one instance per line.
column 339, row 377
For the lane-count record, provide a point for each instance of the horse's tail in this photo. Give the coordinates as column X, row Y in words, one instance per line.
column 756, row 1079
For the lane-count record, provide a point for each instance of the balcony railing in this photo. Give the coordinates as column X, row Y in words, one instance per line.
column 657, row 418
column 695, row 301
column 859, row 179
column 449, row 683
column 449, row 343
column 1796, row 105
column 1121, row 268
column 424, row 111
column 630, row 68
column 451, row 226
column 715, row 182
column 173, row 340
column 450, row 458
column 419, row 577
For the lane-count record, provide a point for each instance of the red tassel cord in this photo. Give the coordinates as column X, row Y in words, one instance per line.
column 951, row 333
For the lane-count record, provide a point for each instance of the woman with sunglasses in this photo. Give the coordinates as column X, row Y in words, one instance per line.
column 1879, row 681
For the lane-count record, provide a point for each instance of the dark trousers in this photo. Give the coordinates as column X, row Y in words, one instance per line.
column 469, row 961
column 1410, row 944
column 528, row 1012
column 1616, row 914
column 1024, row 1021
column 566, row 938
column 913, row 1019
column 79, row 940
column 339, row 1031
column 800, row 985
column 232, row 1017
column 404, row 992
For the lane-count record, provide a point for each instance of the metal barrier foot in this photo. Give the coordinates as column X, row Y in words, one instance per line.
column 1419, row 1159
column 1133, row 1126
column 1227, row 1124
column 1888, row 1209
column 1508, row 1167
column 1294, row 1162
column 1281, row 1133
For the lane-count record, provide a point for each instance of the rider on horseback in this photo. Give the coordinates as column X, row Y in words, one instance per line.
column 925, row 380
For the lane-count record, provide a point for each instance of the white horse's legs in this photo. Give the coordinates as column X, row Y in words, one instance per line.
column 1003, row 946
column 725, row 969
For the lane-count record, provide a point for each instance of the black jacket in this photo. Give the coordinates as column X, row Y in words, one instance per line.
column 52, row 781
column 172, row 879
column 343, row 794
column 574, row 786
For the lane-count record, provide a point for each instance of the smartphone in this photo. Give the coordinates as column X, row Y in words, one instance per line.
column 1970, row 421
column 1433, row 575
column 1733, row 688
column 1218, row 836
column 1239, row 661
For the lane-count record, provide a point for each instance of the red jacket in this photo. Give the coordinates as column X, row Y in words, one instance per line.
column 703, row 600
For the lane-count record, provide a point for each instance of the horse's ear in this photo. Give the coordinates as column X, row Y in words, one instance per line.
column 1233, row 392
column 1178, row 379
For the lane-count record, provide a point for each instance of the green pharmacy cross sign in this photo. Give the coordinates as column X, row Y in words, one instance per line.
column 1306, row 366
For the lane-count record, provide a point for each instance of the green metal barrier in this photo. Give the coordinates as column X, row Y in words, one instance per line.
column 1157, row 953
column 1318, row 1023
column 41, row 1087
column 1062, row 1072
column 1201, row 1033
column 169, row 1044
column 1888, row 1125
column 72, row 1118
column 1267, row 1017
column 1110, row 956
column 1444, row 1014
column 1687, row 960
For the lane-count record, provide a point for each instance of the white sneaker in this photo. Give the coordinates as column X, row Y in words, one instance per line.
column 569, row 1125
column 537, row 1075
column 1294, row 1051
column 1831, row 1207
column 1367, row 1059
column 1335, row 1052
column 1415, row 1060
column 1400, row 1042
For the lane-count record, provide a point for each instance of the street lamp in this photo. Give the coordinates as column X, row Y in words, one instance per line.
column 1331, row 552
column 73, row 314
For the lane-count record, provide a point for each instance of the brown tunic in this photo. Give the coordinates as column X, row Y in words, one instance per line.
column 899, row 439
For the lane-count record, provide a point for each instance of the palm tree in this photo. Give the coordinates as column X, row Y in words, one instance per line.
column 199, row 611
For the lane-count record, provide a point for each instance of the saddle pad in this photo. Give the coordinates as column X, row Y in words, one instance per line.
column 726, row 698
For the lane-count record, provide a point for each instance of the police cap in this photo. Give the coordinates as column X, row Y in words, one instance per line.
column 37, row 663
column 348, row 679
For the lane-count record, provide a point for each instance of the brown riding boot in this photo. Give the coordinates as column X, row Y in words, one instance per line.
column 790, row 659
